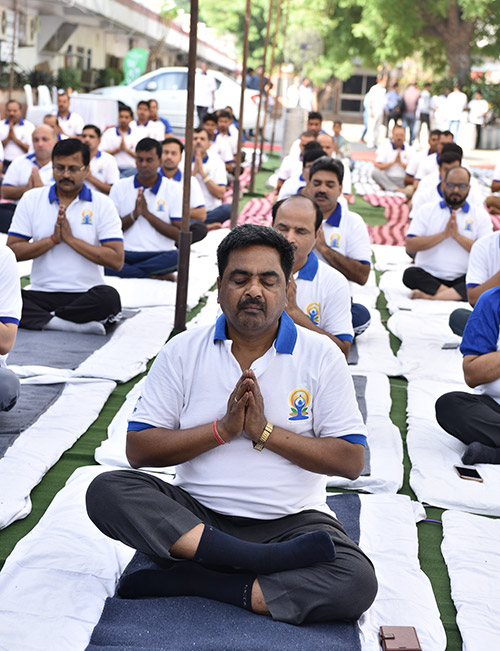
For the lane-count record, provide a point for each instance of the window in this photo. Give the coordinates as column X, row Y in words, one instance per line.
column 165, row 81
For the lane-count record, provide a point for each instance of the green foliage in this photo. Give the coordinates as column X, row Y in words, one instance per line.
column 68, row 77
column 39, row 78
column 109, row 77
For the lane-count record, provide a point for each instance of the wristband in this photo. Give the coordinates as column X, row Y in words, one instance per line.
column 206, row 179
column 132, row 217
column 259, row 445
column 218, row 438
column 54, row 240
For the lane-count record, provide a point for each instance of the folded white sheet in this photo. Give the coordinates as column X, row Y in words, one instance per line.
column 421, row 353
column 433, row 453
column 470, row 549
column 387, row 258
column 374, row 349
column 384, row 440
column 54, row 584
column 398, row 296
column 39, row 447
column 125, row 355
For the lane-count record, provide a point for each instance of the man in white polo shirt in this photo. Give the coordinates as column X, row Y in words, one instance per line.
column 442, row 234
column 318, row 295
column 254, row 411
column 103, row 169
column 210, row 172
column 70, row 123
column 392, row 158
column 147, row 203
column 295, row 184
column 71, row 233
column 143, row 127
column 28, row 172
column 15, row 133
column 220, row 145
column 120, row 142
column 343, row 240
column 10, row 313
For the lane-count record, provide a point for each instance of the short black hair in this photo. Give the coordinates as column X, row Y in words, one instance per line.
column 315, row 115
column 436, row 132
column 148, row 144
column 312, row 154
column 200, row 129
column 318, row 214
column 13, row 101
column 172, row 141
column 209, row 117
column 313, row 145
column 329, row 165
column 454, row 169
column 450, row 153
column 94, row 127
column 124, row 107
column 71, row 146
column 224, row 114
column 254, row 235
column 447, row 133
column 143, row 102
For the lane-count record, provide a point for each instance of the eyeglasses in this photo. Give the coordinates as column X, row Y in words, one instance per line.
column 70, row 169
column 460, row 186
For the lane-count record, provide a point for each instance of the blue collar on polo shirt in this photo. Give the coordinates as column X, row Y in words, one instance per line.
column 154, row 189
column 301, row 177
column 336, row 216
column 143, row 125
column 310, row 269
column 465, row 207
column 85, row 194
column 176, row 177
column 284, row 342
column 204, row 160
column 32, row 158
column 99, row 154
column 20, row 123
column 119, row 133
column 440, row 192
column 66, row 118
column 394, row 146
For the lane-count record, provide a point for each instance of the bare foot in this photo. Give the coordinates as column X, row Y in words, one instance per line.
column 214, row 227
column 170, row 276
column 416, row 293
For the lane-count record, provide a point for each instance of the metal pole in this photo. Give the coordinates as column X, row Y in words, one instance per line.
column 285, row 27
column 185, row 234
column 261, row 88
column 271, row 67
column 13, row 53
column 236, row 182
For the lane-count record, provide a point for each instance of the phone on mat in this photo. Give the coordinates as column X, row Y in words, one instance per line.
column 468, row 473
column 397, row 638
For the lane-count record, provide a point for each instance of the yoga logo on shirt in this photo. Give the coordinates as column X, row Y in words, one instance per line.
column 469, row 223
column 87, row 217
column 299, row 401
column 334, row 240
column 312, row 311
column 100, row 171
column 160, row 205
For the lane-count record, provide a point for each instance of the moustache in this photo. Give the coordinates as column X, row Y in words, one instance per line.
column 254, row 302
column 320, row 195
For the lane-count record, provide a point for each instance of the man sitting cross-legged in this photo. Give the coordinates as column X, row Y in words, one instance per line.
column 10, row 313
column 474, row 418
column 70, row 233
column 442, row 234
column 247, row 411
column 147, row 203
column 318, row 295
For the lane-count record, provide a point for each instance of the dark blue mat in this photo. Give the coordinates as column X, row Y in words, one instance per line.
column 181, row 623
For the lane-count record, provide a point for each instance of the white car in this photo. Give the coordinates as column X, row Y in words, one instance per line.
column 168, row 86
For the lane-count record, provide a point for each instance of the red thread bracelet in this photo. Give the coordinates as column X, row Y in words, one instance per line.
column 54, row 240
column 218, row 438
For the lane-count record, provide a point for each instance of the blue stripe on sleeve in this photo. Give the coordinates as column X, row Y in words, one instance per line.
column 355, row 438
column 136, row 426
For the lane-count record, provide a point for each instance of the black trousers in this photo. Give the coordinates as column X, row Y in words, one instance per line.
column 99, row 303
column 417, row 278
column 6, row 213
column 149, row 515
column 470, row 417
column 458, row 320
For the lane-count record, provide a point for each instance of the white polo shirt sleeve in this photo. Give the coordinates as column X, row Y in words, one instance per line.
column 484, row 260
column 10, row 291
column 109, row 227
column 18, row 172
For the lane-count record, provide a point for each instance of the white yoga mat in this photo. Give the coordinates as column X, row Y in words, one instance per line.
column 470, row 548
column 54, row 584
column 398, row 296
column 388, row 258
column 39, row 447
column 421, row 354
column 384, row 440
column 433, row 453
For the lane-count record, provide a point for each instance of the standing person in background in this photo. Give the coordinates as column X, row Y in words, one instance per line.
column 392, row 108
column 204, row 91
column 454, row 107
column 478, row 108
column 306, row 95
column 410, row 97
column 424, row 109
column 376, row 105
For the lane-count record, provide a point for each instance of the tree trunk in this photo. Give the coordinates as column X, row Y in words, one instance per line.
column 458, row 43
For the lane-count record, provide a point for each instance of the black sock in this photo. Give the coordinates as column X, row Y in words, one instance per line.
column 188, row 579
column 219, row 548
column 479, row 453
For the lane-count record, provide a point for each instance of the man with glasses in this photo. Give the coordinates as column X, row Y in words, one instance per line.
column 441, row 234
column 71, row 233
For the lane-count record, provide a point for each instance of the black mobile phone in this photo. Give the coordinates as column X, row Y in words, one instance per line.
column 450, row 345
column 468, row 473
